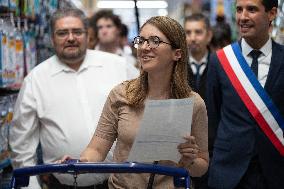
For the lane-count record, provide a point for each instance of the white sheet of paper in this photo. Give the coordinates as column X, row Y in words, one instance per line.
column 161, row 130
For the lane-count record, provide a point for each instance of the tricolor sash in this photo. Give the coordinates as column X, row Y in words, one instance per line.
column 255, row 98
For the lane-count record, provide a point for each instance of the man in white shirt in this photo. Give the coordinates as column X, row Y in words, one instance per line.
column 109, row 28
column 61, row 100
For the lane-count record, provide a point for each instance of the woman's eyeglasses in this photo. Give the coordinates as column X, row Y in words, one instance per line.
column 153, row 42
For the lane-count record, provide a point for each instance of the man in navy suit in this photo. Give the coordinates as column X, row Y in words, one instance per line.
column 243, row 155
column 198, row 36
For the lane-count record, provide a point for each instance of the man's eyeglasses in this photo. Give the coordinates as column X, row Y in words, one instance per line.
column 65, row 33
column 153, row 42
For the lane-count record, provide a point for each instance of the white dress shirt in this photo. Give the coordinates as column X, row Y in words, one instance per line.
column 263, row 60
column 60, row 108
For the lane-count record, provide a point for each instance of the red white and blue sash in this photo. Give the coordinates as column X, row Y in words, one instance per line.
column 257, row 101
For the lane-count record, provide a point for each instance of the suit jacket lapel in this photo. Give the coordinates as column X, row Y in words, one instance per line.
column 275, row 65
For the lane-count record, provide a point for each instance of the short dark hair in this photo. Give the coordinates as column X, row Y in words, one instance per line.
column 269, row 4
column 198, row 17
column 62, row 13
column 221, row 35
column 107, row 14
column 123, row 30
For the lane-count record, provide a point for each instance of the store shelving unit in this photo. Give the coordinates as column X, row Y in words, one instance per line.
column 34, row 16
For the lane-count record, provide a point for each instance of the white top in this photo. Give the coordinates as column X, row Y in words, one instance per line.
column 60, row 108
column 127, row 54
column 263, row 60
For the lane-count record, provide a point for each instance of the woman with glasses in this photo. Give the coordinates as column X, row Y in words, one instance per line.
column 162, row 54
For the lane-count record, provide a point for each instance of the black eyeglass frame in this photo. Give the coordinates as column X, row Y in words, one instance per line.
column 158, row 41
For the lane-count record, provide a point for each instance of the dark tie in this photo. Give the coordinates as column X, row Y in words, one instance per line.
column 254, row 66
column 197, row 75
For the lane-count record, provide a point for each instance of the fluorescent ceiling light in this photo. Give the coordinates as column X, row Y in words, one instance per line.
column 78, row 4
column 130, row 4
column 115, row 4
column 152, row 4
column 162, row 12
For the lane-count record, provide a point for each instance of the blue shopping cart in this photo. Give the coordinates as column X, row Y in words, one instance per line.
column 21, row 176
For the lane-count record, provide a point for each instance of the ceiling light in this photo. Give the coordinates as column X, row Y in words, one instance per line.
column 152, row 4
column 131, row 4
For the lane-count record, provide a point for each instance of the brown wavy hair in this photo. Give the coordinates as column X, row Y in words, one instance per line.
column 137, row 89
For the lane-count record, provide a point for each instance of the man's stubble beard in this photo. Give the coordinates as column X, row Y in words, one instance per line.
column 72, row 58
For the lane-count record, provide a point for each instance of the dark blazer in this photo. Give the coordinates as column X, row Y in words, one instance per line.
column 202, row 85
column 238, row 137
column 201, row 182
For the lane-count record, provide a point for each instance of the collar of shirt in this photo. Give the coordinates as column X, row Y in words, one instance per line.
column 59, row 66
column 264, row 59
column 265, row 49
column 118, row 52
column 203, row 59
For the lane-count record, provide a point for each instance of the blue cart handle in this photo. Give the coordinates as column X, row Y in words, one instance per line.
column 21, row 175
